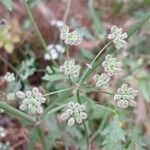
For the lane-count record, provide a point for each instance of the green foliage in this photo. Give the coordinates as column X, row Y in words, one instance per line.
column 63, row 89
column 114, row 135
column 97, row 24
column 8, row 4
column 27, row 68
column 137, row 142
column 144, row 84
column 52, row 75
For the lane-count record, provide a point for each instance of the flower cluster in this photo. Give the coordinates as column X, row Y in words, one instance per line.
column 111, row 65
column 32, row 101
column 74, row 113
column 70, row 69
column 101, row 80
column 9, row 77
column 2, row 132
column 125, row 96
column 71, row 38
column 118, row 37
column 53, row 51
column 56, row 23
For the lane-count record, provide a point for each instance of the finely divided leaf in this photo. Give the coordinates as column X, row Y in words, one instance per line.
column 114, row 135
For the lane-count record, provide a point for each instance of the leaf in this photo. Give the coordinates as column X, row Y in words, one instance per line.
column 27, row 68
column 8, row 4
column 144, row 85
column 32, row 140
column 97, row 24
column 114, row 135
column 137, row 141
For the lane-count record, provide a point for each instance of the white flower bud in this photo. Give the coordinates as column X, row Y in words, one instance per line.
column 79, row 119
column 20, row 94
column 53, row 51
column 9, row 77
column 2, row 132
column 64, row 116
column 71, row 122
column 122, row 103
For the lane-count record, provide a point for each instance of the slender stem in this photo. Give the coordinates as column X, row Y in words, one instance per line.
column 99, row 53
column 86, row 131
column 65, row 19
column 67, row 52
column 100, row 128
column 16, row 112
column 49, row 110
column 92, row 62
column 12, row 67
column 107, row 108
column 42, row 137
column 56, row 109
column 90, row 88
column 9, row 64
column 59, row 91
column 67, row 10
column 41, row 39
column 86, row 134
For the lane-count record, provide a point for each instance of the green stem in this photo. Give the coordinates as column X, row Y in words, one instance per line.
column 48, row 110
column 16, row 112
column 42, row 137
column 86, row 134
column 100, row 52
column 100, row 128
column 92, row 62
column 41, row 39
column 107, row 108
column 90, row 88
column 59, row 91
column 85, row 128
column 67, row 52
column 8, row 64
column 56, row 109
column 65, row 19
column 67, row 10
